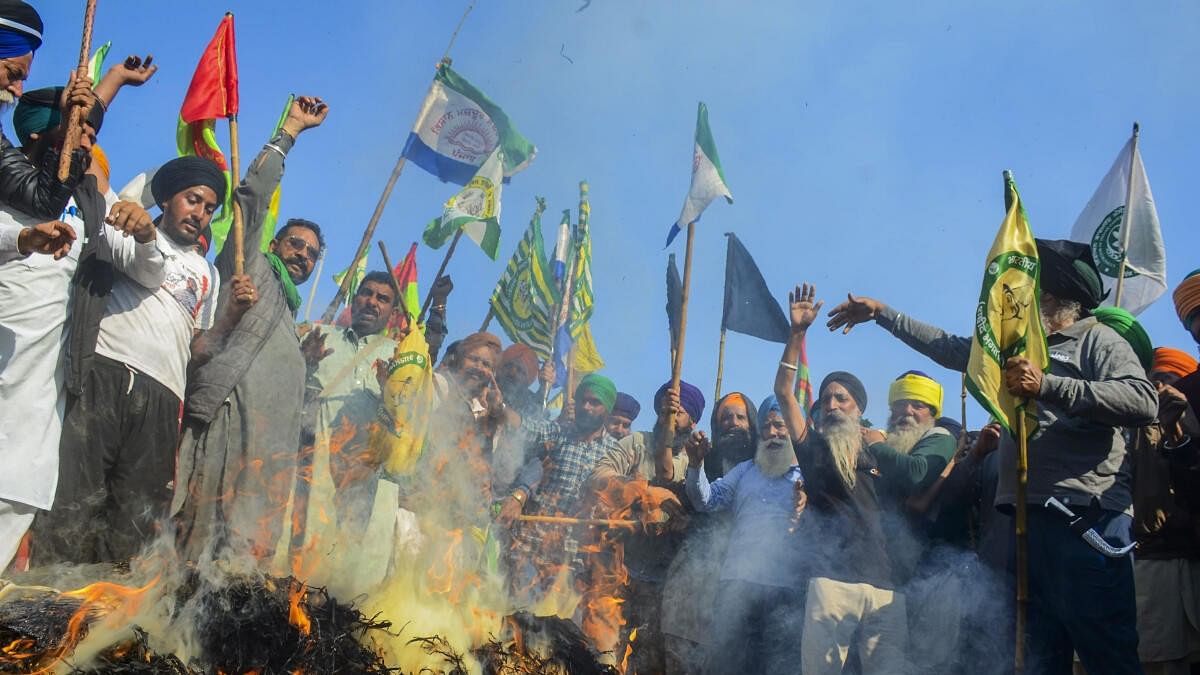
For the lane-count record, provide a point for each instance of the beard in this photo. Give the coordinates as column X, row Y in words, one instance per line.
column 774, row 457
column 7, row 100
column 1058, row 313
column 734, row 446
column 904, row 432
column 845, row 442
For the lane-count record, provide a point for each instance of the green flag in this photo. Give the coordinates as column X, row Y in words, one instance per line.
column 1008, row 320
column 524, row 299
column 475, row 209
column 96, row 64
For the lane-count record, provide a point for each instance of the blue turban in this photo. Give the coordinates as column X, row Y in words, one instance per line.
column 20, row 29
column 769, row 405
column 689, row 397
column 626, row 406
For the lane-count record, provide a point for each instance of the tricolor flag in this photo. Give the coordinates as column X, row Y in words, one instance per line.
column 406, row 277
column 475, row 210
column 213, row 93
column 708, row 181
column 1103, row 224
column 458, row 129
column 1008, row 320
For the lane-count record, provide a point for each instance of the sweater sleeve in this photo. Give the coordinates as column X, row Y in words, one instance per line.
column 915, row 471
column 254, row 197
column 1114, row 389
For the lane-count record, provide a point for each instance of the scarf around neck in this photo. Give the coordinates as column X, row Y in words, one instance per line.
column 289, row 287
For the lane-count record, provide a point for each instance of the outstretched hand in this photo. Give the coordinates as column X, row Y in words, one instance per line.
column 306, row 112
column 50, row 238
column 803, row 308
column 853, row 311
column 313, row 348
column 135, row 71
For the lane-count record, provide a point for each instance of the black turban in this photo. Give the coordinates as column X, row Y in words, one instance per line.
column 852, row 384
column 21, row 27
column 1069, row 272
column 38, row 111
column 182, row 173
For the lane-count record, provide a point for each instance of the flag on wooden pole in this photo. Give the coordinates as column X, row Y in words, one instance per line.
column 708, row 180
column 524, row 300
column 405, row 274
column 749, row 306
column 475, row 210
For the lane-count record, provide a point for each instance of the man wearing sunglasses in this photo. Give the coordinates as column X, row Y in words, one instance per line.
column 245, row 394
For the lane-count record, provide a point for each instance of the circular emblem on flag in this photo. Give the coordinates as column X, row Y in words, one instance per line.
column 993, row 268
column 522, row 304
column 1106, row 245
column 478, row 198
column 467, row 135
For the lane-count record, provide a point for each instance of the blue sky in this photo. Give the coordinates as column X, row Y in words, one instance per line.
column 863, row 143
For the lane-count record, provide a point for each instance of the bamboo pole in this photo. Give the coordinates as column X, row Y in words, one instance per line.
column 1022, row 525
column 312, row 290
column 441, row 270
column 563, row 520
column 365, row 243
column 720, row 366
column 387, row 261
column 563, row 315
column 487, row 320
column 677, row 366
column 75, row 122
column 1125, row 217
column 239, row 227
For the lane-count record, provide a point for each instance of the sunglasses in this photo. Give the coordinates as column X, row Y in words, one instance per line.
column 299, row 244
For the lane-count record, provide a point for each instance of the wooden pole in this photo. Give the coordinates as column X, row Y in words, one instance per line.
column 387, row 261
column 75, row 122
column 446, row 260
column 677, row 366
column 312, row 290
column 563, row 520
column 487, row 320
column 1125, row 218
column 239, row 228
column 720, row 367
column 1022, row 524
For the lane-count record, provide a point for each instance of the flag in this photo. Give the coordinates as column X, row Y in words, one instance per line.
column 458, row 129
column 582, row 300
column 674, row 300
column 271, row 220
column 804, row 388
column 1007, row 319
column 708, row 181
column 96, row 64
column 525, row 300
column 398, row 436
column 749, row 306
column 359, row 269
column 562, row 247
column 475, row 210
column 405, row 274
column 212, row 93
column 1101, row 226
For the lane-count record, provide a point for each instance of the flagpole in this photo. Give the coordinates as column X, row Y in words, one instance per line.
column 239, row 228
column 445, row 261
column 344, row 287
column 562, row 317
column 387, row 262
column 1022, row 539
column 1125, row 217
column 75, row 122
column 720, row 366
column 312, row 290
column 677, row 366
column 487, row 320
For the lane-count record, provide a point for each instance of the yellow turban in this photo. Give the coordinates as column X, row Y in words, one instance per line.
column 917, row 386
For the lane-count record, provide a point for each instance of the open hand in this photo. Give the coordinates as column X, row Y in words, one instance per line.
column 853, row 311
column 135, row 71
column 313, row 348
column 803, row 309
column 50, row 238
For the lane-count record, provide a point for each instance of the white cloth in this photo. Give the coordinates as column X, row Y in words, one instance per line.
column 15, row 519
column 839, row 616
column 33, row 311
column 150, row 327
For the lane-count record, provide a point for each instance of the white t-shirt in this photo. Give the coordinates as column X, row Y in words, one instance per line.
column 151, row 330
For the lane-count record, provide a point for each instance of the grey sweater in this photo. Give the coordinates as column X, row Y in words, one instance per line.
column 1094, row 387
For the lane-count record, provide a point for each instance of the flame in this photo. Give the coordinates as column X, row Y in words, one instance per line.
column 442, row 581
column 628, row 651
column 296, row 615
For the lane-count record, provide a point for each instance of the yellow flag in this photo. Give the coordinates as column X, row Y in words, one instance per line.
column 587, row 359
column 399, row 436
column 1008, row 321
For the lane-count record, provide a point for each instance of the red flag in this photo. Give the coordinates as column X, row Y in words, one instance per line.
column 213, row 92
column 406, row 277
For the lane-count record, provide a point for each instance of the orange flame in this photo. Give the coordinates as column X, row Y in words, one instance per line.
column 628, row 651
column 296, row 615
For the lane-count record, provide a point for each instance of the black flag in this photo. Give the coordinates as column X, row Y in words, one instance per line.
column 749, row 306
column 674, row 300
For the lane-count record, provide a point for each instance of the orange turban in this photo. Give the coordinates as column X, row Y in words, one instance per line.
column 1187, row 298
column 1175, row 361
column 100, row 159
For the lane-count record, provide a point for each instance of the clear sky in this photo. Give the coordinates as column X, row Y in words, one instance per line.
column 863, row 142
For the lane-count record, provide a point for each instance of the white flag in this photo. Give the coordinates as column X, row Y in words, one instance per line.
column 1100, row 226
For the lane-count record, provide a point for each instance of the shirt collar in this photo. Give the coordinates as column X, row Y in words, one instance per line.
column 1076, row 330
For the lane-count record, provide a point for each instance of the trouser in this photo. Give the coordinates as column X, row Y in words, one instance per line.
column 756, row 629
column 1080, row 599
column 116, row 463
column 841, row 619
column 15, row 519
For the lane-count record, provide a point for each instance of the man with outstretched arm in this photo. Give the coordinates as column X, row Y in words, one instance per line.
column 1080, row 600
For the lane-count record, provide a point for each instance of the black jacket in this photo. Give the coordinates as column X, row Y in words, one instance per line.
column 34, row 189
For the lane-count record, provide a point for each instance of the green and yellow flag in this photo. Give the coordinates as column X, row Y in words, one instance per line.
column 1008, row 321
column 524, row 300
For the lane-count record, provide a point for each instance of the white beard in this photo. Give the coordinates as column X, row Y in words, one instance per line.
column 845, row 442
column 774, row 457
column 7, row 100
column 904, row 433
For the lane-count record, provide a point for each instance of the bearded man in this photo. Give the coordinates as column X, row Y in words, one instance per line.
column 758, row 606
column 851, row 602
column 1079, row 600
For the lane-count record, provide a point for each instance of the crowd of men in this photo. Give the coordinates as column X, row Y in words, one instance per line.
column 147, row 392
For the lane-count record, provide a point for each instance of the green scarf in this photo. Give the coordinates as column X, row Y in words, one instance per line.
column 289, row 286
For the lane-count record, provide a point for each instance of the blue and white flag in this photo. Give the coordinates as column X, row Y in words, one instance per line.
column 562, row 246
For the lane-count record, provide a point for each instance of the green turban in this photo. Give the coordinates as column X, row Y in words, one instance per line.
column 601, row 387
column 1128, row 327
